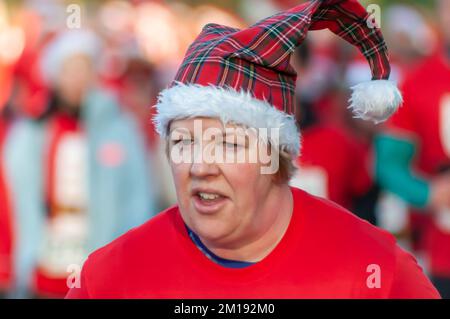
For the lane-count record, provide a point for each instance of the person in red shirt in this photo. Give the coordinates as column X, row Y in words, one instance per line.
column 413, row 153
column 333, row 164
column 303, row 264
column 6, row 236
column 341, row 177
column 239, row 230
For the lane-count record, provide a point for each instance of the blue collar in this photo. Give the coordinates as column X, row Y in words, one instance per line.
column 218, row 260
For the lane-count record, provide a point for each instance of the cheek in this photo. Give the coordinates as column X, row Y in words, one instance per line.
column 75, row 76
column 64, row 83
column 244, row 179
column 245, row 174
column 180, row 174
column 70, row 87
column 81, row 79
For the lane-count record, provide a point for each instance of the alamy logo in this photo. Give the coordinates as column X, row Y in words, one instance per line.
column 74, row 277
column 374, row 279
column 73, row 20
column 374, row 18
column 232, row 145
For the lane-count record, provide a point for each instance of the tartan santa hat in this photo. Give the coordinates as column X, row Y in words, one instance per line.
column 245, row 77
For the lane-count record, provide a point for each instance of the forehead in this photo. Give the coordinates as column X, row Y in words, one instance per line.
column 205, row 123
column 189, row 124
column 76, row 60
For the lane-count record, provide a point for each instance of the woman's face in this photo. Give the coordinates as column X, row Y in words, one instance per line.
column 220, row 200
column 74, row 79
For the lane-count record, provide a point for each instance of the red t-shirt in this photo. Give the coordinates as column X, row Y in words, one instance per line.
column 425, row 114
column 425, row 118
column 326, row 252
column 331, row 160
column 6, row 238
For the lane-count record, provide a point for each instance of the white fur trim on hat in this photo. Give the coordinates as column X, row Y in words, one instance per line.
column 228, row 105
column 375, row 100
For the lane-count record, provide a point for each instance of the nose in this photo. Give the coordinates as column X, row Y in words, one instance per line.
column 203, row 165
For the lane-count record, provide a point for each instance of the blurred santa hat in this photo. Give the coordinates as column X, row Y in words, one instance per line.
column 52, row 13
column 406, row 23
column 65, row 45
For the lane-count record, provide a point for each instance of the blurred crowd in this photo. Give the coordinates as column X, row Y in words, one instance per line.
column 80, row 162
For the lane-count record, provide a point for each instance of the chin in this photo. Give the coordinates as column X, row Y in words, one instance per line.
column 211, row 229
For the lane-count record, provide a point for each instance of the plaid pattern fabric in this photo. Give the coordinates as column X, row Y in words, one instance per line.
column 257, row 59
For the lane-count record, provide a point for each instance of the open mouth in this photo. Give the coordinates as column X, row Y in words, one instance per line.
column 208, row 202
column 208, row 196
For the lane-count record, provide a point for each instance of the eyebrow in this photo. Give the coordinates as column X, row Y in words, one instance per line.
column 180, row 130
column 236, row 137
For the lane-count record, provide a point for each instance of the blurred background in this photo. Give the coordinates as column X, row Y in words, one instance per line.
column 80, row 162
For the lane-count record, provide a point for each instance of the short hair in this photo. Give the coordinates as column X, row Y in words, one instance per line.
column 287, row 168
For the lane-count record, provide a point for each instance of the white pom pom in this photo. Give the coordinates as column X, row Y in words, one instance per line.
column 375, row 100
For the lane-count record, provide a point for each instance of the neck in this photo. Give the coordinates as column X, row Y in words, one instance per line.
column 276, row 213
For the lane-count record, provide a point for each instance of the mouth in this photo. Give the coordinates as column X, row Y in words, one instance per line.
column 208, row 201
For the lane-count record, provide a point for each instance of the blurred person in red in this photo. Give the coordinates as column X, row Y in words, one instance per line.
column 413, row 152
column 79, row 172
column 5, row 222
column 138, row 90
column 331, row 164
column 410, row 39
column 39, row 21
column 23, row 93
column 6, row 234
column 335, row 168
column 11, row 48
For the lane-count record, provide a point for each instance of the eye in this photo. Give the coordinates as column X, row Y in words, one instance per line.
column 232, row 145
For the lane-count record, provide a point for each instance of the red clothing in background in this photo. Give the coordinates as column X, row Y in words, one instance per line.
column 6, row 236
column 344, row 171
column 425, row 118
column 326, row 252
column 426, row 100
